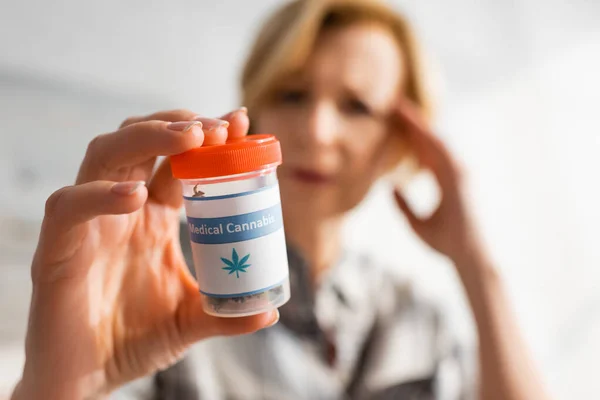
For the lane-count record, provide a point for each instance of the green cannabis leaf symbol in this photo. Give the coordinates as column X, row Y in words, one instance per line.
column 235, row 264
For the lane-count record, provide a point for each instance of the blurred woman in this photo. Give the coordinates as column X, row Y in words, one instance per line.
column 339, row 83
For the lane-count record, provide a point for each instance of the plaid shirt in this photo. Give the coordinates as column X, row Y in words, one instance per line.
column 361, row 335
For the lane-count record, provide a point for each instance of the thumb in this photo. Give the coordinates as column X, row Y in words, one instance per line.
column 164, row 188
column 198, row 325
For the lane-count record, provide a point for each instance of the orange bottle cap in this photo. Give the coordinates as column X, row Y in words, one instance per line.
column 237, row 156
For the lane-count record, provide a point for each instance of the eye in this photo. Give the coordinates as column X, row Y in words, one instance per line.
column 356, row 107
column 292, row 96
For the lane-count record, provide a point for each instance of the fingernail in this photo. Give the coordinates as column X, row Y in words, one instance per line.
column 127, row 188
column 183, row 126
column 209, row 124
column 274, row 320
column 230, row 114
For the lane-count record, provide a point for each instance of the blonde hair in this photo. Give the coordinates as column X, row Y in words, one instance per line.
column 287, row 39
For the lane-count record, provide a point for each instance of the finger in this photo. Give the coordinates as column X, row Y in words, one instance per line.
column 237, row 125
column 238, row 122
column 135, row 144
column 165, row 189
column 413, row 220
column 430, row 150
column 68, row 209
column 418, row 129
column 169, row 116
column 215, row 130
column 409, row 115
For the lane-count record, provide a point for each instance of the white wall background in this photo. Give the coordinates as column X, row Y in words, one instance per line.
column 519, row 90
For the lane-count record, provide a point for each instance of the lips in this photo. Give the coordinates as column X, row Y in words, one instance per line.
column 311, row 177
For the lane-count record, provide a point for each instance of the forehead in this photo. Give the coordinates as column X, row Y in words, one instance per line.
column 365, row 57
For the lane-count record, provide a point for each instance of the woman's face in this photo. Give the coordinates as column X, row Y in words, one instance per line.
column 331, row 120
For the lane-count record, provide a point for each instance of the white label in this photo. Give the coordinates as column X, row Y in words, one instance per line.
column 238, row 242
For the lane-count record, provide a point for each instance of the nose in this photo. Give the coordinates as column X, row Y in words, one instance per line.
column 321, row 125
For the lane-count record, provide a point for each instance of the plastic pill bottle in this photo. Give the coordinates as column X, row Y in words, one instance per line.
column 233, row 209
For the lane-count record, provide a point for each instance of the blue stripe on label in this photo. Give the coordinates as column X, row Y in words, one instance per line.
column 236, row 228
column 229, row 196
column 226, row 296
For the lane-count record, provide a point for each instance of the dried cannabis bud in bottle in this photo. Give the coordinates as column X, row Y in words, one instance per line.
column 233, row 209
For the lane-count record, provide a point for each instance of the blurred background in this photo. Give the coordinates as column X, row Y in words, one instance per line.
column 518, row 85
